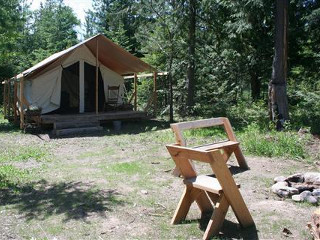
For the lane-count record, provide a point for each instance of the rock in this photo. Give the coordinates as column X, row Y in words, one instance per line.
column 297, row 178
column 279, row 179
column 276, row 187
column 144, row 192
column 296, row 198
column 303, row 187
column 316, row 192
column 312, row 178
column 282, row 189
column 312, row 200
column 305, row 194
column 282, row 193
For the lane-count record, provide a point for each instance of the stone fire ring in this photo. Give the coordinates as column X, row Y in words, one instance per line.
column 300, row 187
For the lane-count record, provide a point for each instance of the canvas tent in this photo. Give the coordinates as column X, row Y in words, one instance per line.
column 67, row 81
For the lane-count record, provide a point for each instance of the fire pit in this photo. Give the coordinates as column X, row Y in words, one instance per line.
column 300, row 187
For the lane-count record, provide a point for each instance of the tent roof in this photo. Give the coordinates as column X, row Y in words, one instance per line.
column 110, row 55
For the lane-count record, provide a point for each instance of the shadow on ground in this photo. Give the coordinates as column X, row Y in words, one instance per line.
column 229, row 230
column 8, row 127
column 76, row 200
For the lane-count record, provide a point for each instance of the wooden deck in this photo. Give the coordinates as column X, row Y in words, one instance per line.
column 103, row 116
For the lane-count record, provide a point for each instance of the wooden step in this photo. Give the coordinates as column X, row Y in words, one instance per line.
column 80, row 130
column 75, row 124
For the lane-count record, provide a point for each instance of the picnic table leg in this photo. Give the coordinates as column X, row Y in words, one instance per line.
column 217, row 218
column 230, row 189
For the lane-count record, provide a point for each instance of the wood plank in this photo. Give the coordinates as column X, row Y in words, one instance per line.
column 15, row 100
column 184, row 204
column 5, row 99
column 146, row 75
column 219, row 145
column 230, row 189
column 199, row 123
column 232, row 137
column 69, row 131
column 207, row 183
column 155, row 100
column 188, row 153
column 217, row 219
column 9, row 100
column 21, row 103
column 135, row 91
column 119, row 115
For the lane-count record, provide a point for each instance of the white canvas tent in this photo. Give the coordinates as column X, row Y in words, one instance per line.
column 43, row 84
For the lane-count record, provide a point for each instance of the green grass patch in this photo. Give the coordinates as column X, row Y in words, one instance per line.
column 24, row 153
column 12, row 177
column 129, row 168
column 272, row 144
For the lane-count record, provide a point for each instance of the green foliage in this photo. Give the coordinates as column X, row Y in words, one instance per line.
column 272, row 144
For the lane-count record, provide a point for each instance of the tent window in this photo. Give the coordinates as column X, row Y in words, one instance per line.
column 90, row 88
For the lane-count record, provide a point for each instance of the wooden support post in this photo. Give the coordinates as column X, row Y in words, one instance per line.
column 155, row 97
column 5, row 99
column 97, row 76
column 9, row 100
column 21, row 104
column 135, row 91
column 15, row 99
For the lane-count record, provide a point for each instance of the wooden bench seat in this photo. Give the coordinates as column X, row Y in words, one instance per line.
column 206, row 183
column 219, row 145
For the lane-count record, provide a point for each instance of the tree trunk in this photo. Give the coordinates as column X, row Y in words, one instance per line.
column 278, row 102
column 255, row 86
column 191, row 52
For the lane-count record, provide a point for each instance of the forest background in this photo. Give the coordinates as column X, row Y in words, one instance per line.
column 218, row 53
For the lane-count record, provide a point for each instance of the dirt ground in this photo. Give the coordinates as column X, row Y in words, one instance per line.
column 119, row 186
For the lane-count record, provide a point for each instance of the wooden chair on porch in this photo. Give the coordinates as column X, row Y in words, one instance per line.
column 226, row 147
column 113, row 97
column 221, row 189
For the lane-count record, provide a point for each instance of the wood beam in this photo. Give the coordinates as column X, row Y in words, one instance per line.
column 97, row 76
column 5, row 99
column 9, row 101
column 135, row 91
column 15, row 99
column 155, row 96
column 146, row 75
column 21, row 103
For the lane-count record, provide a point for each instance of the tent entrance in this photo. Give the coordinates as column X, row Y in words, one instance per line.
column 90, row 89
column 70, row 89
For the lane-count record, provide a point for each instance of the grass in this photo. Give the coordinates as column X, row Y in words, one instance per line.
column 255, row 141
column 13, row 177
column 272, row 144
column 24, row 153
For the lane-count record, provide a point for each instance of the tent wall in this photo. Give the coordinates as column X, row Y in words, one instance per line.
column 45, row 90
